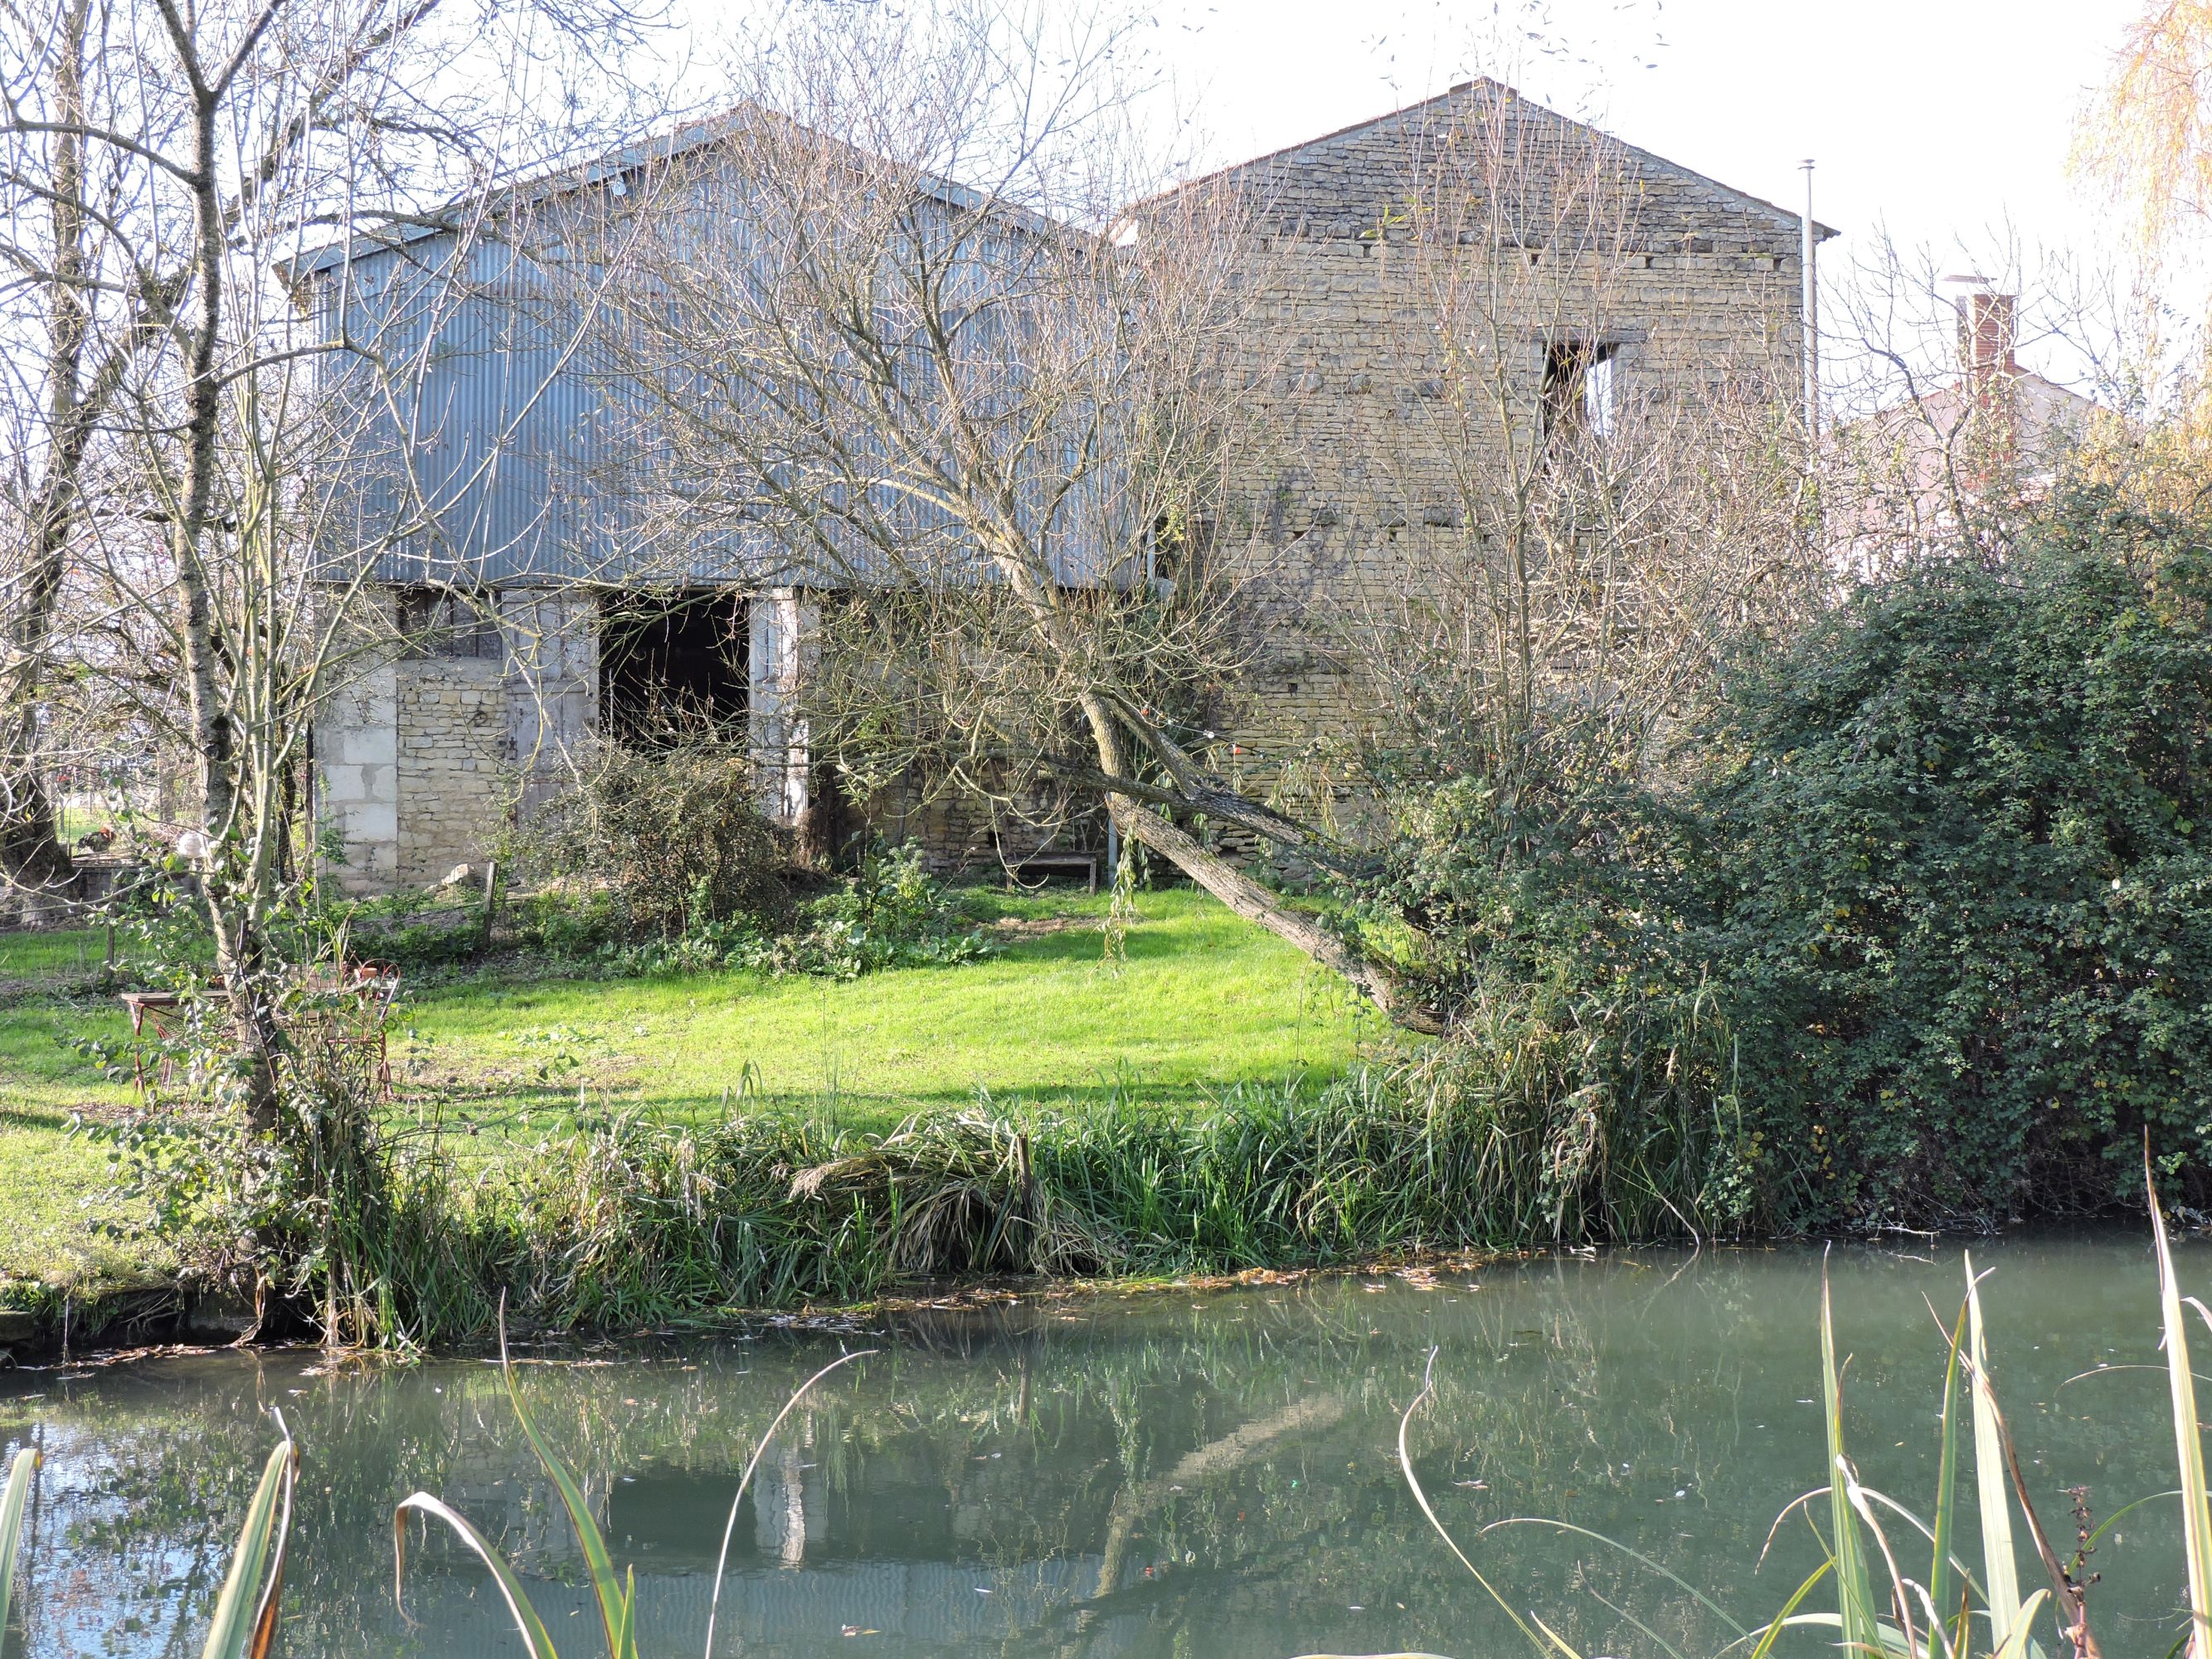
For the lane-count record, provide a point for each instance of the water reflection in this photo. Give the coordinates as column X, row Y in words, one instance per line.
column 1173, row 1474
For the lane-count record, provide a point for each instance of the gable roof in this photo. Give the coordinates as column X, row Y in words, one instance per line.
column 615, row 166
column 1422, row 116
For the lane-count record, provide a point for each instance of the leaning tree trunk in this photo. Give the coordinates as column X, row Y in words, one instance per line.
column 1244, row 896
column 1216, row 874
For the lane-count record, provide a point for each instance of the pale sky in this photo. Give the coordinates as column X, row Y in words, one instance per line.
column 1946, row 122
column 1942, row 117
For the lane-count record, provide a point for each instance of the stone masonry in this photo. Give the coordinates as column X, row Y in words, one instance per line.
column 1417, row 282
column 1416, row 279
column 425, row 751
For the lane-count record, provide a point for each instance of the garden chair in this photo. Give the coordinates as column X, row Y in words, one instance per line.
column 353, row 1015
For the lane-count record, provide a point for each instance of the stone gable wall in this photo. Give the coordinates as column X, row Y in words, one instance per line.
column 1692, row 289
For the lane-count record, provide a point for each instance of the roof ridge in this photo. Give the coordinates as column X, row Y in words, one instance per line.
column 1452, row 91
column 1823, row 231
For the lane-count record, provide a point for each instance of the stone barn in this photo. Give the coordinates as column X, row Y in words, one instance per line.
column 1603, row 279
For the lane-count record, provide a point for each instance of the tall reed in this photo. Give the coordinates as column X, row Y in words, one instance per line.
column 1957, row 1611
column 14, row 1498
column 245, row 1621
column 632, row 1222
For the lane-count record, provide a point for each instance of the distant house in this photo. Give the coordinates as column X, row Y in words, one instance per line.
column 1661, row 284
column 1919, row 466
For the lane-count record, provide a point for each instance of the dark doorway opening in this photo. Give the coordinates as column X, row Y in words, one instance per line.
column 672, row 663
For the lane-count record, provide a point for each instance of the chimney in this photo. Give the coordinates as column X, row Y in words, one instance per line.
column 1985, row 338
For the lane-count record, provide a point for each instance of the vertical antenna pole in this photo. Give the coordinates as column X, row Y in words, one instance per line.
column 1809, row 317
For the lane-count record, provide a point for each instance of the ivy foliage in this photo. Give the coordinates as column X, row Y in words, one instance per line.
column 1924, row 918
column 1958, row 869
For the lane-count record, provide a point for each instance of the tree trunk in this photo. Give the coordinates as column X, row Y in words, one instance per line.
column 234, row 907
column 31, row 856
column 1246, row 897
column 1256, row 904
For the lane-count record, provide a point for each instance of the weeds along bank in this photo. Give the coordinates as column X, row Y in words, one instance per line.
column 630, row 1222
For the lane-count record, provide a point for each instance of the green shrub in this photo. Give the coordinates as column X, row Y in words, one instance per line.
column 565, row 921
column 1958, row 861
column 418, row 926
column 1922, row 936
column 889, row 914
column 1548, row 915
column 671, row 834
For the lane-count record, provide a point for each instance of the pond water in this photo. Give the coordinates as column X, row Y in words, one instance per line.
column 1179, row 1472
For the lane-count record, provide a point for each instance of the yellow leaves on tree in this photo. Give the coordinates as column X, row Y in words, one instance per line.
column 2148, row 135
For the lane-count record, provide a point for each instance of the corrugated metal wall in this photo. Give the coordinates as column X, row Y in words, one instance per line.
column 492, row 446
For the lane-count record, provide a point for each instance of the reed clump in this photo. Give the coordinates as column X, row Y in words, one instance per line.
column 630, row 1221
column 1894, row 1583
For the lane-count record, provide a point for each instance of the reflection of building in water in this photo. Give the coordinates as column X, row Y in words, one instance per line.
column 788, row 1514
column 522, row 1511
column 927, row 1606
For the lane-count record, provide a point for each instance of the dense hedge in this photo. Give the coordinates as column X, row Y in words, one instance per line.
column 1962, row 878
column 1927, row 911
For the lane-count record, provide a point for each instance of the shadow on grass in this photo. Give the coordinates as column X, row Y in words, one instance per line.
column 41, row 1120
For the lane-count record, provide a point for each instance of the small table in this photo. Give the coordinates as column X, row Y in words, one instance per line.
column 163, row 1010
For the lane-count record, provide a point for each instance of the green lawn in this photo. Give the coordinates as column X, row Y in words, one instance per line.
column 1202, row 1001
column 51, row 1181
column 43, row 955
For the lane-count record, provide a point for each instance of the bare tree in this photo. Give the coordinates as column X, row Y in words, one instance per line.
column 1599, row 478
column 1011, row 433
column 187, row 474
column 77, row 323
column 898, row 348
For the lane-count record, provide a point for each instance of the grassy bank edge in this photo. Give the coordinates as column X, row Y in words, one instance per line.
column 631, row 1223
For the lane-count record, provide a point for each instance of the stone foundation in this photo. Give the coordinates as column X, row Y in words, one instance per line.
column 426, row 750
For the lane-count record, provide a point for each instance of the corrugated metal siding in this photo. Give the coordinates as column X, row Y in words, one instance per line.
column 524, row 451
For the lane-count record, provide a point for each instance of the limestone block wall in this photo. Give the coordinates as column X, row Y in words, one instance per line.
column 1397, row 345
column 452, row 764
column 422, row 754
column 357, row 783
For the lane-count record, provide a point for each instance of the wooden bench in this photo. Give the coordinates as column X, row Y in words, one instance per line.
column 1084, row 864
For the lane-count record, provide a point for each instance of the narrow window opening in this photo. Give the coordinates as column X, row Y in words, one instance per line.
column 446, row 621
column 1580, row 387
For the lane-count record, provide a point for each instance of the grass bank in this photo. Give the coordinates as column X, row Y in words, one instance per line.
column 627, row 1153
column 513, row 1060
column 1200, row 1001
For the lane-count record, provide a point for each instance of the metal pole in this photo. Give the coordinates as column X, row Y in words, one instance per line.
column 1808, row 318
